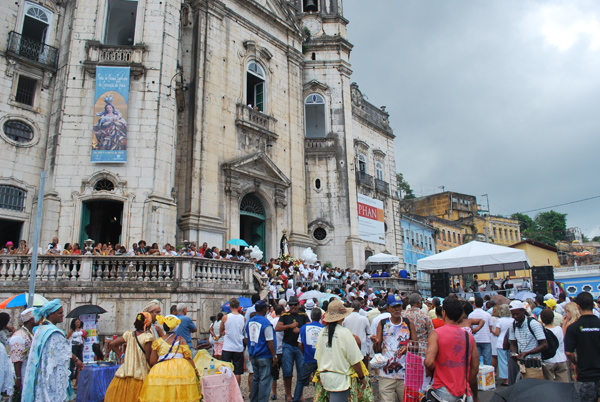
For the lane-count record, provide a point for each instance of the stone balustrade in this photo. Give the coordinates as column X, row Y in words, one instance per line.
column 99, row 54
column 258, row 122
column 314, row 146
column 403, row 285
column 96, row 270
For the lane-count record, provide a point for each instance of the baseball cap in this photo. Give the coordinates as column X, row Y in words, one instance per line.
column 260, row 303
column 550, row 303
column 293, row 300
column 539, row 299
column 516, row 304
column 394, row 300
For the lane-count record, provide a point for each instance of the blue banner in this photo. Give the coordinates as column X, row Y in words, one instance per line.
column 109, row 143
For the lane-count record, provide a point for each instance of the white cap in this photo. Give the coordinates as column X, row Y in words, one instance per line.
column 471, row 299
column 549, row 296
column 516, row 304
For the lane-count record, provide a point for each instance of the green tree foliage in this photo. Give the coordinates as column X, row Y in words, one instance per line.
column 547, row 227
column 405, row 187
column 525, row 222
column 596, row 238
column 584, row 238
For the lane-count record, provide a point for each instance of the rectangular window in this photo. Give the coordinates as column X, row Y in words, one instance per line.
column 25, row 90
column 120, row 22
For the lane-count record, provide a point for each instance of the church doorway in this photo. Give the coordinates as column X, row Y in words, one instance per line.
column 101, row 221
column 253, row 222
column 10, row 231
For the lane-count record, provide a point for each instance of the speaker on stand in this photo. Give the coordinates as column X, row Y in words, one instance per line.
column 440, row 284
column 540, row 277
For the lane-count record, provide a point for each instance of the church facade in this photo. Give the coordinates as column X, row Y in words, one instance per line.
column 201, row 120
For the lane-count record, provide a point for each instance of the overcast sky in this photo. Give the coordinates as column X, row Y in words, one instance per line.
column 499, row 97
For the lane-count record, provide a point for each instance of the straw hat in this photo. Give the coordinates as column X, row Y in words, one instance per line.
column 336, row 311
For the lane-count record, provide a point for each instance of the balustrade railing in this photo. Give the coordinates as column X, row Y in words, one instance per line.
column 32, row 49
column 160, row 269
column 364, row 179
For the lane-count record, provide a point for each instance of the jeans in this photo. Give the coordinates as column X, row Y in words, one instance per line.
column 503, row 363
column 291, row 355
column 589, row 391
column 485, row 350
column 303, row 380
column 446, row 396
column 262, row 379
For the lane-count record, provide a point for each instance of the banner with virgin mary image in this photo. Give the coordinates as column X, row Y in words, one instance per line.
column 109, row 144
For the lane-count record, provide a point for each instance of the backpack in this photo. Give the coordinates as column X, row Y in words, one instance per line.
column 550, row 338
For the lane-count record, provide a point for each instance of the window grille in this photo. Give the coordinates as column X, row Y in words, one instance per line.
column 25, row 90
column 12, row 198
column 18, row 131
column 320, row 234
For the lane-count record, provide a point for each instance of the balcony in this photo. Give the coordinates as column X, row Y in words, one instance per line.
column 364, row 179
column 91, row 271
column 255, row 121
column 319, row 146
column 123, row 285
column 382, row 187
column 23, row 47
column 99, row 54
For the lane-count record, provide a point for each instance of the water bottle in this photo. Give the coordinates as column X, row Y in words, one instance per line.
column 212, row 366
column 205, row 372
column 480, row 361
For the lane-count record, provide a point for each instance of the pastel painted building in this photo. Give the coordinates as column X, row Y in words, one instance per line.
column 418, row 242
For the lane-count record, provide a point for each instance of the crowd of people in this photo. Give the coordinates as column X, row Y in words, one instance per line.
column 141, row 248
column 342, row 337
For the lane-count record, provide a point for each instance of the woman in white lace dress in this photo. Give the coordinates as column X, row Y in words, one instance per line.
column 47, row 377
column 7, row 381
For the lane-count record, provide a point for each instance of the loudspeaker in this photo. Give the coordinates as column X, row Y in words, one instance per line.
column 539, row 287
column 440, row 284
column 543, row 273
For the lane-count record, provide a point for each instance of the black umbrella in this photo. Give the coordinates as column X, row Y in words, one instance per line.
column 89, row 309
column 533, row 389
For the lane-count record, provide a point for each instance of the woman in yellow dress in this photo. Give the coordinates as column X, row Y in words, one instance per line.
column 129, row 378
column 172, row 378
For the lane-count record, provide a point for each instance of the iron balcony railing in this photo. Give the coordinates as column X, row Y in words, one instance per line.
column 364, row 179
column 382, row 186
column 32, row 49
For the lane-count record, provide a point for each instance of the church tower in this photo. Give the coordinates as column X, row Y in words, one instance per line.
column 329, row 155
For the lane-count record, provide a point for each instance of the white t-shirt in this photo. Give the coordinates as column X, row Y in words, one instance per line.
column 560, row 355
column 278, row 335
column 504, row 323
column 376, row 320
column 289, row 293
column 483, row 335
column 359, row 326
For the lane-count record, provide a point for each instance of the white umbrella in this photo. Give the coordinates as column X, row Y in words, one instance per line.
column 311, row 294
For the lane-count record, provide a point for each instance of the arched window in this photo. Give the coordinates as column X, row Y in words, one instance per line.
column 120, row 22
column 314, row 109
column 444, row 235
column 517, row 237
column 505, row 234
column 362, row 163
column 379, row 170
column 511, row 234
column 458, row 237
column 255, row 86
column 453, row 237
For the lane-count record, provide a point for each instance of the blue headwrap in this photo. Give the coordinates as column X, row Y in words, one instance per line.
column 47, row 309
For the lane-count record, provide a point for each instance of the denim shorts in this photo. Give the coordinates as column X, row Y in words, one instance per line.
column 446, row 396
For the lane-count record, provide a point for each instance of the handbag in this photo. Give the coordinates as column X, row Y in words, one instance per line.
column 431, row 396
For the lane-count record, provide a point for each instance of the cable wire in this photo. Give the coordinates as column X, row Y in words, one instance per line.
column 560, row 205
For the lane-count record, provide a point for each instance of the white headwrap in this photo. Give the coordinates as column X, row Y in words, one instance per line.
column 27, row 314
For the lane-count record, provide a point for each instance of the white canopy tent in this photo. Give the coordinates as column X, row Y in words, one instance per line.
column 473, row 258
column 382, row 261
